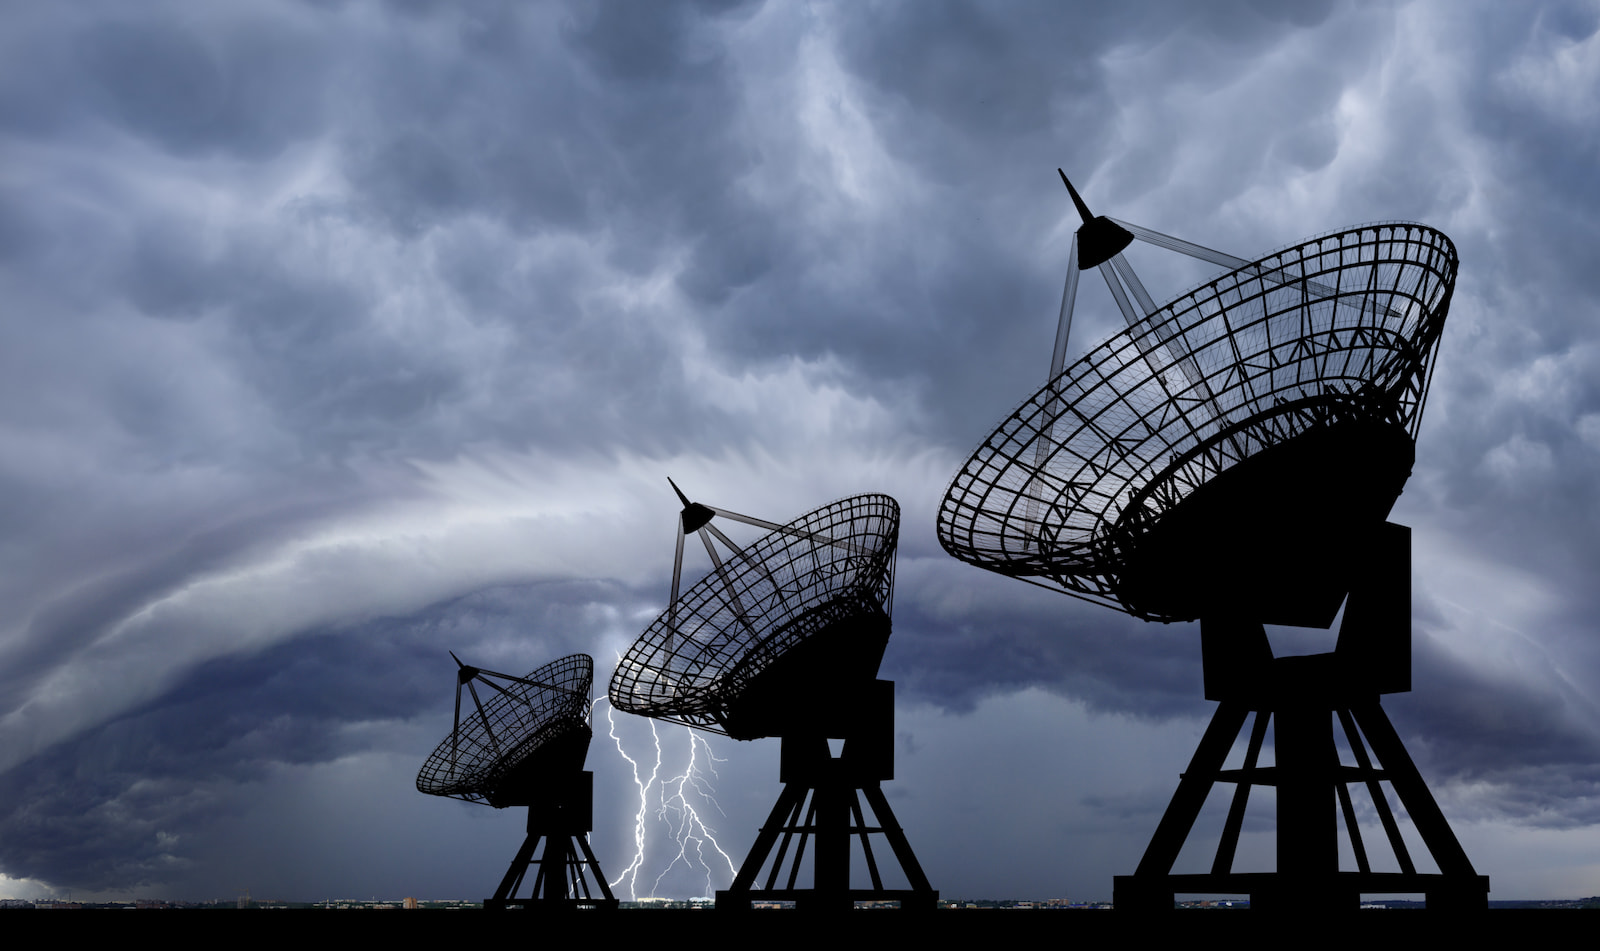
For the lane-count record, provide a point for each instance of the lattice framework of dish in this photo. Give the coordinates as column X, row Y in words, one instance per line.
column 830, row 565
column 1341, row 327
column 500, row 733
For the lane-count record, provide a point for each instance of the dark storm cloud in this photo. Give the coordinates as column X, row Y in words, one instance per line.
column 1518, row 445
column 553, row 119
column 247, row 89
column 959, row 640
column 297, row 291
column 1507, row 454
column 431, row 152
column 107, row 809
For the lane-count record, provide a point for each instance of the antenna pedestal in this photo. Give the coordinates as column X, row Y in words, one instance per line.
column 525, row 746
column 1309, row 700
column 561, row 814
column 819, row 814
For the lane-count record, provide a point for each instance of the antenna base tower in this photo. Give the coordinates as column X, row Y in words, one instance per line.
column 1302, row 697
column 834, row 789
column 562, row 815
column 525, row 746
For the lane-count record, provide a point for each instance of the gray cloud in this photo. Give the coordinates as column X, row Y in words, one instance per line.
column 343, row 334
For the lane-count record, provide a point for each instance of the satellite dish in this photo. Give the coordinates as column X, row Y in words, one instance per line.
column 1230, row 433
column 744, row 650
column 523, row 743
column 784, row 638
column 1232, row 456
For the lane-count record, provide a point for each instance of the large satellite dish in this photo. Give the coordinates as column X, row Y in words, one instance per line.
column 1229, row 433
column 1231, row 456
column 784, row 638
column 522, row 743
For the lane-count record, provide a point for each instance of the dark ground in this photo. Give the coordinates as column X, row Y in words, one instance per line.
column 449, row 928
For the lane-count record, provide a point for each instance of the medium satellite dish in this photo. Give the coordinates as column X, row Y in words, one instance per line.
column 1232, row 456
column 523, row 743
column 784, row 638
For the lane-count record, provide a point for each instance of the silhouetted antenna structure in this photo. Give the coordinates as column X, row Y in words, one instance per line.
column 522, row 743
column 784, row 638
column 1232, row 456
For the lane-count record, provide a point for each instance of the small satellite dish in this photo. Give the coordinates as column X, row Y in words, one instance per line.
column 1232, row 456
column 523, row 743
column 784, row 638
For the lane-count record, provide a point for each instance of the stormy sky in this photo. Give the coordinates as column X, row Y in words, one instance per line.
column 337, row 335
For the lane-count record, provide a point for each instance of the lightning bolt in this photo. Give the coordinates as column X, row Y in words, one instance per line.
column 632, row 871
column 676, row 809
column 690, row 827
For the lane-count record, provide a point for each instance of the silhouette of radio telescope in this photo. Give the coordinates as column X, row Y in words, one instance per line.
column 524, row 745
column 1232, row 456
column 784, row 638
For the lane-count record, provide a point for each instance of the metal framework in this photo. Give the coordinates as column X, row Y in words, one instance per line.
column 1232, row 456
column 474, row 762
column 524, row 746
column 784, row 638
column 1310, row 702
column 1339, row 328
column 813, row 575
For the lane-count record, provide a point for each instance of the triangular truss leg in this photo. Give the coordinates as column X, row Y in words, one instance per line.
column 827, row 820
column 1309, row 792
column 897, row 841
column 828, row 807
column 563, row 878
column 1302, row 698
column 1193, row 788
column 567, row 864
